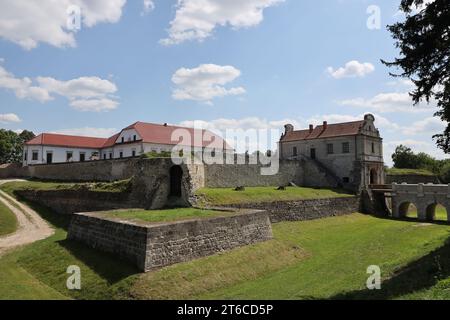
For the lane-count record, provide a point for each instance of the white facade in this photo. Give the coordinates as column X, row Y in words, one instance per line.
column 118, row 151
column 50, row 154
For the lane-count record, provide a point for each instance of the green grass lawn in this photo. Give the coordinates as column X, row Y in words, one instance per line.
column 8, row 221
column 324, row 258
column 337, row 252
column 170, row 215
column 118, row 186
column 38, row 271
column 223, row 196
column 421, row 172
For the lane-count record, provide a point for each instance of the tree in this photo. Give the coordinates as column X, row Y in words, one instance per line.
column 11, row 145
column 404, row 158
column 424, row 43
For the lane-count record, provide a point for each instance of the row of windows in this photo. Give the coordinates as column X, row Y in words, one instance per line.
column 129, row 139
column 70, row 156
column 330, row 149
column 345, row 148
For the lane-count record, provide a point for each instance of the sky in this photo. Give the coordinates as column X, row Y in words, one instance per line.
column 93, row 67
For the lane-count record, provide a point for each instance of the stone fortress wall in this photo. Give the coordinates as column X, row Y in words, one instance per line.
column 158, row 245
column 300, row 172
column 308, row 209
column 151, row 246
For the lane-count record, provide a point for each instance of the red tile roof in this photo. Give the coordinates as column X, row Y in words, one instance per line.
column 59, row 140
column 111, row 141
column 162, row 134
column 149, row 132
column 330, row 131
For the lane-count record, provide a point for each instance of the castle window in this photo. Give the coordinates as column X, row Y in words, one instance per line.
column 25, row 155
column 133, row 153
column 346, row 147
column 69, row 156
column 373, row 147
column 134, row 138
column 82, row 157
column 35, row 156
column 330, row 148
column 121, row 155
column 110, row 155
column 123, row 139
column 294, row 151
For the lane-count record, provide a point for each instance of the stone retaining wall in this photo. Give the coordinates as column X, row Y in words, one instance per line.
column 250, row 175
column 310, row 209
column 411, row 179
column 71, row 201
column 151, row 246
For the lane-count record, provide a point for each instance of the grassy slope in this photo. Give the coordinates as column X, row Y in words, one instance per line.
column 165, row 215
column 118, row 186
column 8, row 221
column 341, row 249
column 331, row 263
column 222, row 196
column 338, row 252
column 16, row 283
column 421, row 172
column 38, row 271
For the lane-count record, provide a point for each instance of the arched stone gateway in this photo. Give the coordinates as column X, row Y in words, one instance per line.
column 428, row 198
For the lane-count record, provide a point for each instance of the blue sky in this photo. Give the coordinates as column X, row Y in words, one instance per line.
column 230, row 64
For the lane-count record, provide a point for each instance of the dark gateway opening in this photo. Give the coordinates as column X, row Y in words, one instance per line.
column 176, row 175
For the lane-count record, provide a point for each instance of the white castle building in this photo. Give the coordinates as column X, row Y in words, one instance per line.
column 132, row 141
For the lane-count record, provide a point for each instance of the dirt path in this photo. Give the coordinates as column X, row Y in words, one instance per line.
column 31, row 226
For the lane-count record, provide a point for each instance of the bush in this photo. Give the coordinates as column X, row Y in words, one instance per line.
column 444, row 174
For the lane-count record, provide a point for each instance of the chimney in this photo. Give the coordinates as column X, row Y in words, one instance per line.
column 288, row 128
column 325, row 125
column 311, row 128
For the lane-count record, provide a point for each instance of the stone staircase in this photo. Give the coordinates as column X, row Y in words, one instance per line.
column 318, row 175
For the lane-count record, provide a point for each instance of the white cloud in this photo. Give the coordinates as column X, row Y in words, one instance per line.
column 89, row 132
column 388, row 102
column 83, row 87
column 9, row 117
column 95, row 105
column 84, row 93
column 430, row 125
column 197, row 19
column 22, row 87
column 149, row 6
column 205, row 83
column 352, row 69
column 29, row 23
column 401, row 83
column 254, row 123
